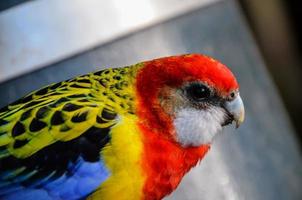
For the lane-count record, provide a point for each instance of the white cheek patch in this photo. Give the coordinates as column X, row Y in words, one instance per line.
column 196, row 127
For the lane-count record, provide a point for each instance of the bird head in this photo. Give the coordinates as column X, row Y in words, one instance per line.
column 188, row 98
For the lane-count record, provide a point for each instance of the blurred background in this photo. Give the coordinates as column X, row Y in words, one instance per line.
column 46, row 41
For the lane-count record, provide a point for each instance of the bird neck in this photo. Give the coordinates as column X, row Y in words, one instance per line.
column 166, row 162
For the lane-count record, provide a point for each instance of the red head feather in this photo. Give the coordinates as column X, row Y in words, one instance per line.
column 164, row 161
column 174, row 71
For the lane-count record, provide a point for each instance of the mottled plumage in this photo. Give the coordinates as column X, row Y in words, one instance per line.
column 112, row 134
column 51, row 132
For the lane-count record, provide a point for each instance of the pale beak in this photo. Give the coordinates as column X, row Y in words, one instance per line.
column 235, row 107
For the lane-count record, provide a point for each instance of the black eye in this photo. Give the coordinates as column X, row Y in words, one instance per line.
column 232, row 95
column 198, row 92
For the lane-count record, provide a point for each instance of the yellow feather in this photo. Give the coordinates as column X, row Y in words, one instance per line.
column 127, row 178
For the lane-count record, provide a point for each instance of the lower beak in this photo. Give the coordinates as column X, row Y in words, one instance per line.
column 236, row 109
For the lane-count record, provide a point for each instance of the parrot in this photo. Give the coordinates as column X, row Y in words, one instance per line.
column 128, row 133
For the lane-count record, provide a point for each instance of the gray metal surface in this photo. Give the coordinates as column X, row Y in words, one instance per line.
column 259, row 161
column 47, row 31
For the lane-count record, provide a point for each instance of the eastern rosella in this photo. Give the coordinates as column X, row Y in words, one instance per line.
column 124, row 133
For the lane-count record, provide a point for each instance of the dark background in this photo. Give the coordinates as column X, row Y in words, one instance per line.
column 276, row 25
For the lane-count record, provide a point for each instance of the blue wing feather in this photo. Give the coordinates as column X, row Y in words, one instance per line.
column 63, row 170
column 85, row 179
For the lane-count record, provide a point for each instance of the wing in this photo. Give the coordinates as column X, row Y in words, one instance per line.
column 50, row 140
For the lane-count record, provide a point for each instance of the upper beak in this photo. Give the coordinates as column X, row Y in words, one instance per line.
column 236, row 109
